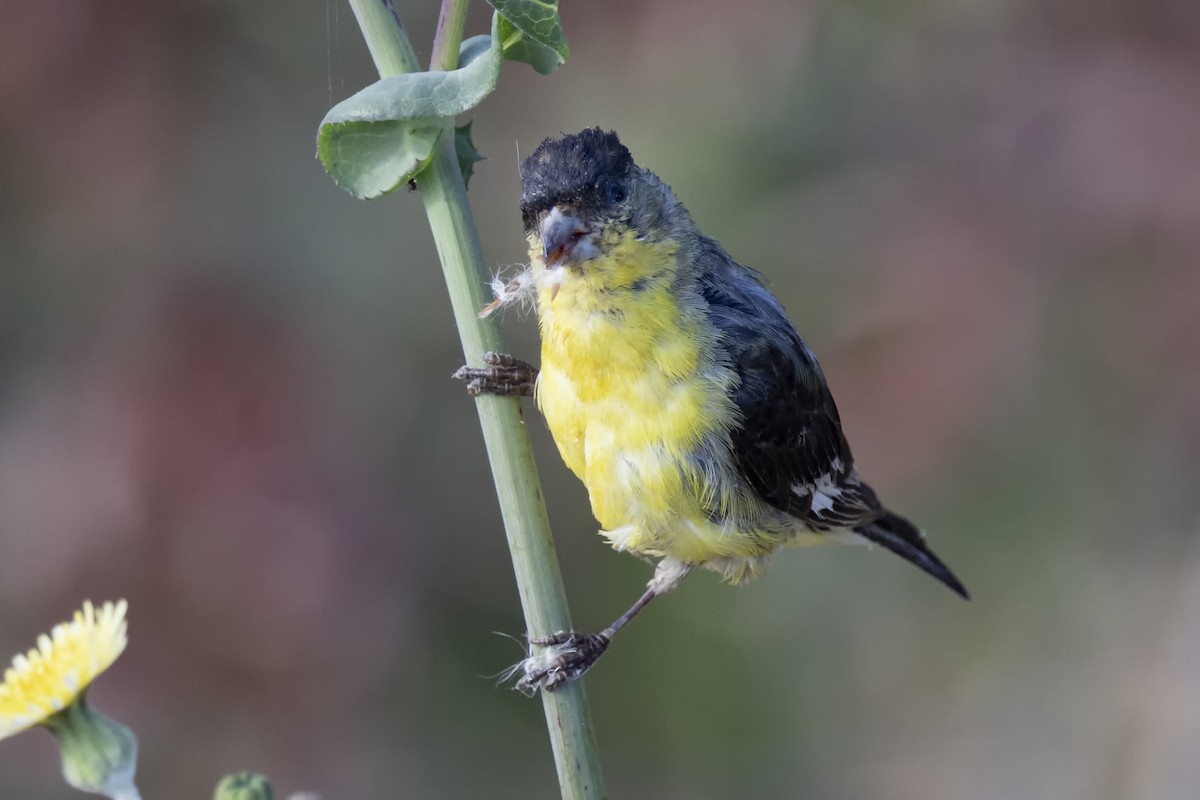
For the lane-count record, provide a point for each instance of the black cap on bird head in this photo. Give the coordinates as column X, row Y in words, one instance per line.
column 578, row 170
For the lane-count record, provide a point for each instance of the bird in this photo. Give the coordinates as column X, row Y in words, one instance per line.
column 676, row 389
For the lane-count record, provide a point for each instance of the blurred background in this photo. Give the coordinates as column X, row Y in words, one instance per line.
column 225, row 395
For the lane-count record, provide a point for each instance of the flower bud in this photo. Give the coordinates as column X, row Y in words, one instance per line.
column 244, row 786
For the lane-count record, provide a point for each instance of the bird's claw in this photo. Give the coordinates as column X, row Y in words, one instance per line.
column 502, row 375
column 565, row 657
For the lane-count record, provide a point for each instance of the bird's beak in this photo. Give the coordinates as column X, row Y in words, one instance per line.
column 566, row 241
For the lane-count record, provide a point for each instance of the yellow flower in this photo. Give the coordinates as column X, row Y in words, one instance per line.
column 55, row 673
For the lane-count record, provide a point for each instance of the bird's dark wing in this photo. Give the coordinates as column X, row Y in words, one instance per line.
column 790, row 445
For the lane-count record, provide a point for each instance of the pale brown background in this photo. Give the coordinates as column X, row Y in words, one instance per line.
column 224, row 395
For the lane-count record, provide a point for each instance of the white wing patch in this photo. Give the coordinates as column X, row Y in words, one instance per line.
column 825, row 492
column 821, row 502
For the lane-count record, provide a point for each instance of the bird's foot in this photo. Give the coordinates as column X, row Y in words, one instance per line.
column 503, row 375
column 565, row 656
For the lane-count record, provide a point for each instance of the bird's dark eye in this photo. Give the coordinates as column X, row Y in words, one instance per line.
column 616, row 192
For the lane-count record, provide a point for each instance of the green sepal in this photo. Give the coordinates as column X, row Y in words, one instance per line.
column 464, row 148
column 98, row 753
column 531, row 32
column 382, row 137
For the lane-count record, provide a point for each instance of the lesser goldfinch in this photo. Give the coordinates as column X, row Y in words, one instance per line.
column 677, row 390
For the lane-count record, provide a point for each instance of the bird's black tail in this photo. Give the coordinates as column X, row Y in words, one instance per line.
column 902, row 537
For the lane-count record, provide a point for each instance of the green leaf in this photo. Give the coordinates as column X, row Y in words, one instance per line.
column 370, row 159
column 537, row 19
column 519, row 47
column 377, row 140
column 464, row 148
column 534, row 33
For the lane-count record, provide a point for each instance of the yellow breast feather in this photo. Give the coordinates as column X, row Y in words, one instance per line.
column 630, row 389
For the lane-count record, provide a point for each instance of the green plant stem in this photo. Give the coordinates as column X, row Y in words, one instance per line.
column 539, row 581
column 387, row 40
column 446, row 41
